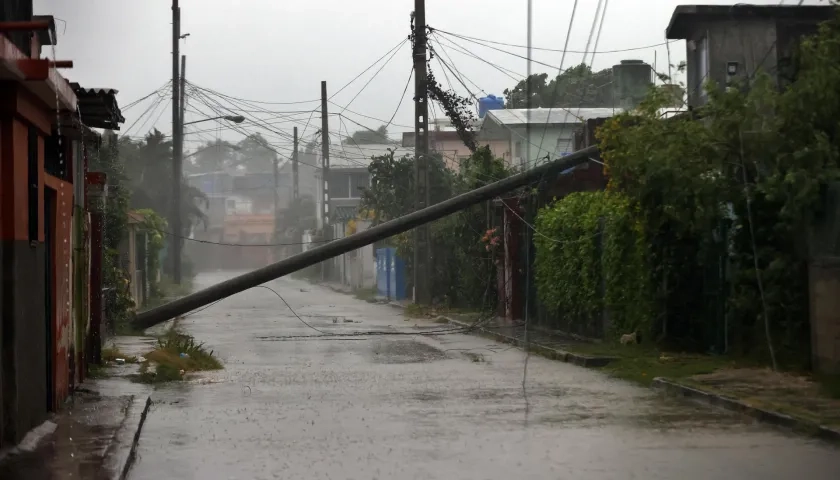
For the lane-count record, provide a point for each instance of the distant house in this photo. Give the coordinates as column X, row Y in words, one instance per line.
column 444, row 139
column 349, row 175
column 532, row 135
column 727, row 43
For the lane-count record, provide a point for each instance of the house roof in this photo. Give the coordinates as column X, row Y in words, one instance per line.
column 550, row 116
column 359, row 156
column 98, row 107
column 685, row 16
column 135, row 217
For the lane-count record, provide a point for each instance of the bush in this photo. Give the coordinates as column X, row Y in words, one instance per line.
column 590, row 259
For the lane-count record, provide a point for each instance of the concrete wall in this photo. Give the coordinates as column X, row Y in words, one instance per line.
column 23, row 351
column 824, row 280
column 750, row 43
column 553, row 141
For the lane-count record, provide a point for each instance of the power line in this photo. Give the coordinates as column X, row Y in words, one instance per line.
column 209, row 242
column 464, row 51
column 477, row 40
column 374, row 75
column 368, row 68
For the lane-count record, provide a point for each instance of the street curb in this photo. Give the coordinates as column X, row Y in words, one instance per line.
column 132, row 451
column 541, row 350
column 767, row 416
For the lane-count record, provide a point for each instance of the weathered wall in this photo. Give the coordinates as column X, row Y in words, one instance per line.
column 825, row 314
column 61, row 286
column 24, row 345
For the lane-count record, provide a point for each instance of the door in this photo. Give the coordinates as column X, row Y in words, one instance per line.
column 49, row 289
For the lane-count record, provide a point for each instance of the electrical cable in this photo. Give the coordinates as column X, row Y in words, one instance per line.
column 396, row 47
column 477, row 40
column 243, row 244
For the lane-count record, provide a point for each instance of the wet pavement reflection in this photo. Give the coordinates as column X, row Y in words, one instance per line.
column 427, row 407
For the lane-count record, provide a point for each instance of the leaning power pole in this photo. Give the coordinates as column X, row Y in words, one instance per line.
column 325, row 173
column 422, row 253
column 175, row 246
column 358, row 240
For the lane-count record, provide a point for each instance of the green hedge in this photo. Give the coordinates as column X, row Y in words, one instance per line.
column 591, row 256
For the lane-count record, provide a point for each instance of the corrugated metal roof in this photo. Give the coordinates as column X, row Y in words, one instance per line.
column 94, row 91
column 542, row 116
column 98, row 107
column 359, row 156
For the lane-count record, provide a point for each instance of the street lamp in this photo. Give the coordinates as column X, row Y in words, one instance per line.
column 230, row 118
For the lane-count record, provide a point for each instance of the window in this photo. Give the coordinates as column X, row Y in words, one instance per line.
column 358, row 182
column 702, row 64
column 32, row 176
column 339, row 185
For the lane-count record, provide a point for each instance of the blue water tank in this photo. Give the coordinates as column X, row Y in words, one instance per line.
column 490, row 102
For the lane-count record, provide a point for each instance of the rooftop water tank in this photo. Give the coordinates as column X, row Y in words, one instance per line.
column 632, row 80
column 490, row 102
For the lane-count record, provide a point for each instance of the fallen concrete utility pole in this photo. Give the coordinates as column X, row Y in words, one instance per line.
column 333, row 249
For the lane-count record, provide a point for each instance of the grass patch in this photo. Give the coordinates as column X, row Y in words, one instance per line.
column 414, row 310
column 111, row 354
column 176, row 355
column 829, row 385
column 643, row 363
column 366, row 294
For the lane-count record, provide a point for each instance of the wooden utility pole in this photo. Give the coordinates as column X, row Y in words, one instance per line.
column 295, row 171
column 422, row 253
column 325, row 173
column 177, row 127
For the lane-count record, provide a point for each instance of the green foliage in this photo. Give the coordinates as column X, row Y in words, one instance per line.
column 735, row 185
column 591, row 256
column 155, row 227
column 462, row 267
column 148, row 166
column 576, row 86
column 105, row 158
column 369, row 137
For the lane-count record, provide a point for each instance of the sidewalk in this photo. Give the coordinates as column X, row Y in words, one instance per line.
column 92, row 437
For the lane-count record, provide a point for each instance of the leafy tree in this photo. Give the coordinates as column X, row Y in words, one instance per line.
column 255, row 154
column 211, row 157
column 576, row 86
column 461, row 265
column 149, row 176
column 369, row 137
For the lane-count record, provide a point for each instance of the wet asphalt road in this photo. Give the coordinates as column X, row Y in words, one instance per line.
column 415, row 407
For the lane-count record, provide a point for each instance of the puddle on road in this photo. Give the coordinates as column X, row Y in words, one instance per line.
column 404, row 351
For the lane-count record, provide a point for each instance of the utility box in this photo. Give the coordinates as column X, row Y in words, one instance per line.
column 390, row 274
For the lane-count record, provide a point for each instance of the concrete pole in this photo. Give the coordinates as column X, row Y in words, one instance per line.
column 175, row 254
column 422, row 252
column 325, row 173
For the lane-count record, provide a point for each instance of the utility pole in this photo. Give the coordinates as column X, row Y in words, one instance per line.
column 325, row 173
column 175, row 246
column 295, row 171
column 275, row 168
column 422, row 253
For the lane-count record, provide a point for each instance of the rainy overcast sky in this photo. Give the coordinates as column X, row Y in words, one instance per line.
column 280, row 50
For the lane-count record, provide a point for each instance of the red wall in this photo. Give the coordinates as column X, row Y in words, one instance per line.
column 61, row 282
